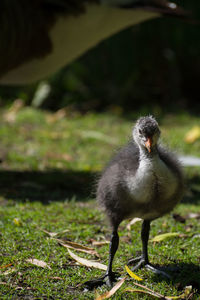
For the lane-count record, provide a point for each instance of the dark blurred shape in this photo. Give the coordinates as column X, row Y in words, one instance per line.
column 47, row 186
column 179, row 218
column 155, row 65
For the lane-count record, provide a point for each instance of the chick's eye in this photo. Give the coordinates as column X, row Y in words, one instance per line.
column 140, row 131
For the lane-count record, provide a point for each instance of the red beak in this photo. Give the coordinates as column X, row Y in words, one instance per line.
column 148, row 144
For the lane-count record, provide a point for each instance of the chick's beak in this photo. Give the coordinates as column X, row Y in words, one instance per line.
column 148, row 144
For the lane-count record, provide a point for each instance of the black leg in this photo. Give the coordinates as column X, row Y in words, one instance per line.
column 109, row 277
column 143, row 260
column 114, row 243
column 145, row 238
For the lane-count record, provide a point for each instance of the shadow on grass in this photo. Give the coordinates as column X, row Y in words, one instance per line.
column 58, row 185
column 183, row 274
column 47, row 186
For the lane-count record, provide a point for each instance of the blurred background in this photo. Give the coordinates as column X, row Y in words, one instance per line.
column 57, row 134
column 153, row 67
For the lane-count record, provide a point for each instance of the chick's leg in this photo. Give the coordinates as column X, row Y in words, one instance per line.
column 109, row 277
column 143, row 260
column 114, row 243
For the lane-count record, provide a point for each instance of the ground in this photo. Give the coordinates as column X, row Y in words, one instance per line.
column 49, row 166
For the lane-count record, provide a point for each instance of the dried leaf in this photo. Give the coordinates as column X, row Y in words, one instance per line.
column 52, row 234
column 133, row 275
column 78, row 247
column 187, row 292
column 162, row 237
column 13, row 286
column 38, row 263
column 12, row 270
column 5, row 266
column 98, row 243
column 132, row 290
column 56, row 278
column 132, row 222
column 20, row 288
column 182, row 296
column 192, row 135
column 86, row 262
column 156, row 294
column 110, row 293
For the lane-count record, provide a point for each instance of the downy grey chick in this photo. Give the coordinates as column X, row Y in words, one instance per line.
column 143, row 180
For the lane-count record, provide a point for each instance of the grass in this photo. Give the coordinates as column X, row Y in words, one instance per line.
column 49, row 165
